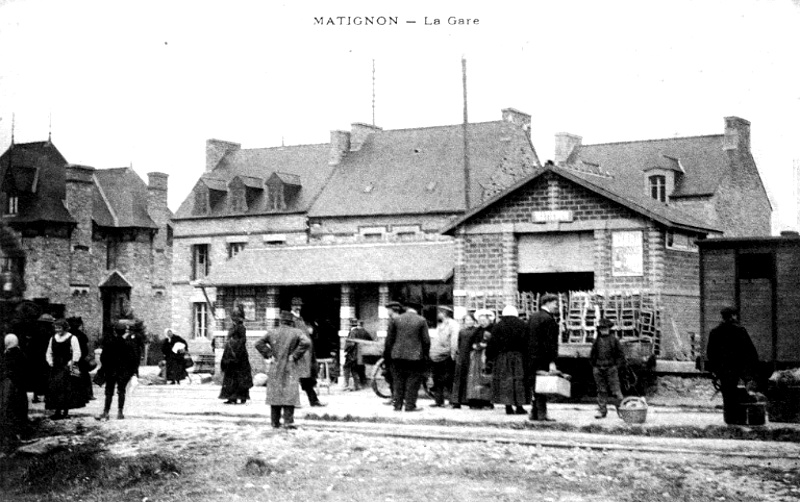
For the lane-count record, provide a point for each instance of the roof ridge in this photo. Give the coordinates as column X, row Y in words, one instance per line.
column 651, row 140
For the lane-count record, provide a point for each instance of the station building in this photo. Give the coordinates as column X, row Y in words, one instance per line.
column 344, row 226
column 615, row 218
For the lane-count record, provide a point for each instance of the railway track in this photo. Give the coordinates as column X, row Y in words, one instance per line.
column 535, row 438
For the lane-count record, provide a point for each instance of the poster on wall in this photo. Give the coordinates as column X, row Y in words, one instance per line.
column 627, row 253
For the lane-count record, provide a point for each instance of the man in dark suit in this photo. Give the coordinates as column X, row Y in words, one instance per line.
column 406, row 351
column 542, row 350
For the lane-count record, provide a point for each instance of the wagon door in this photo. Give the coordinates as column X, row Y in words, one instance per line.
column 756, row 300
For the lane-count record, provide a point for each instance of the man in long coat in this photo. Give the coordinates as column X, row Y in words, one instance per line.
column 286, row 346
column 542, row 350
column 731, row 357
column 406, row 351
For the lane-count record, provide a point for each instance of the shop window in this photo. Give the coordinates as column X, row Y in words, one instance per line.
column 658, row 188
column 235, row 248
column 200, row 261
column 200, row 329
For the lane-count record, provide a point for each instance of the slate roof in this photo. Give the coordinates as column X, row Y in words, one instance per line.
column 126, row 195
column 308, row 162
column 612, row 187
column 418, row 171
column 47, row 203
column 702, row 158
column 119, row 195
column 320, row 264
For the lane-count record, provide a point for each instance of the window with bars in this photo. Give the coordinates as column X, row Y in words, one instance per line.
column 658, row 188
column 12, row 205
column 200, row 329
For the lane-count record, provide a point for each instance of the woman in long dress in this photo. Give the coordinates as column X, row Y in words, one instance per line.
column 479, row 382
column 174, row 348
column 465, row 342
column 505, row 351
column 64, row 390
column 235, row 364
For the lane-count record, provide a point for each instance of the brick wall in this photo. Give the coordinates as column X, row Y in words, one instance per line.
column 483, row 262
column 342, row 230
column 741, row 202
column 683, row 270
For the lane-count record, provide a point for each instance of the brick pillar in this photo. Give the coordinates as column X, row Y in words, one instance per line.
column 459, row 276
column 510, row 265
column 383, row 313
column 346, row 310
column 273, row 307
column 654, row 248
column 602, row 262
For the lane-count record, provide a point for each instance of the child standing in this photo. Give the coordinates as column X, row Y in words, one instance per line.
column 606, row 357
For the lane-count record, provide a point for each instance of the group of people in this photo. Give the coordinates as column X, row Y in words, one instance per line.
column 52, row 359
column 483, row 364
column 489, row 361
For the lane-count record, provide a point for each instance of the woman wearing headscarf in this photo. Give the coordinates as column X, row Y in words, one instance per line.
column 466, row 338
column 174, row 348
column 13, row 399
column 479, row 381
column 64, row 389
column 235, row 364
column 505, row 352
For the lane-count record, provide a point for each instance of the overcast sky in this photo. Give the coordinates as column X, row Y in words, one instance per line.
column 146, row 83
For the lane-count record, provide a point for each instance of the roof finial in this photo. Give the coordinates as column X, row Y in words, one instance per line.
column 13, row 121
column 373, row 91
column 282, row 143
column 50, row 128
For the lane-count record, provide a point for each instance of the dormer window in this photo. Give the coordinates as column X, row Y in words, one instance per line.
column 12, row 205
column 658, row 187
column 282, row 190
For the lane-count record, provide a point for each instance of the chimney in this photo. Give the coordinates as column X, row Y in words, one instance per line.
column 360, row 132
column 521, row 119
column 216, row 150
column 340, row 145
column 737, row 134
column 80, row 201
column 566, row 144
column 157, row 206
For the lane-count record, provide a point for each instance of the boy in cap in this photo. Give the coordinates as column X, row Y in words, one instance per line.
column 606, row 358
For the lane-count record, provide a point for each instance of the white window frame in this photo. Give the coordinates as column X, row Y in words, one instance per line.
column 12, row 205
column 692, row 242
column 200, row 320
column 658, row 182
column 196, row 262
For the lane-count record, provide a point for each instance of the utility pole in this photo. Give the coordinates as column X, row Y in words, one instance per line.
column 466, row 141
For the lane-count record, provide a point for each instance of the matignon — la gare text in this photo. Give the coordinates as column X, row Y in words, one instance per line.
column 389, row 21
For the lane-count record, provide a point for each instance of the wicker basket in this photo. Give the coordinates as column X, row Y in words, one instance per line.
column 633, row 410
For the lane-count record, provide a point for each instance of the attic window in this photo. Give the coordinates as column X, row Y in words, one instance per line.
column 430, row 187
column 658, row 187
column 276, row 197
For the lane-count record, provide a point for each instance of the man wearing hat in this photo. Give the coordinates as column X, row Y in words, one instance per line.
column 606, row 358
column 542, row 350
column 731, row 357
column 444, row 346
column 286, row 346
column 406, row 352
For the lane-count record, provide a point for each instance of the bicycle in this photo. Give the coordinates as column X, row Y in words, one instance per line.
column 382, row 388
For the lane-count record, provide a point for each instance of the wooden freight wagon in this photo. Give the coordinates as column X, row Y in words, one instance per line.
column 760, row 277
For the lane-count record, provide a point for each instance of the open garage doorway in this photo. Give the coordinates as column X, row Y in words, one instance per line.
column 555, row 282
